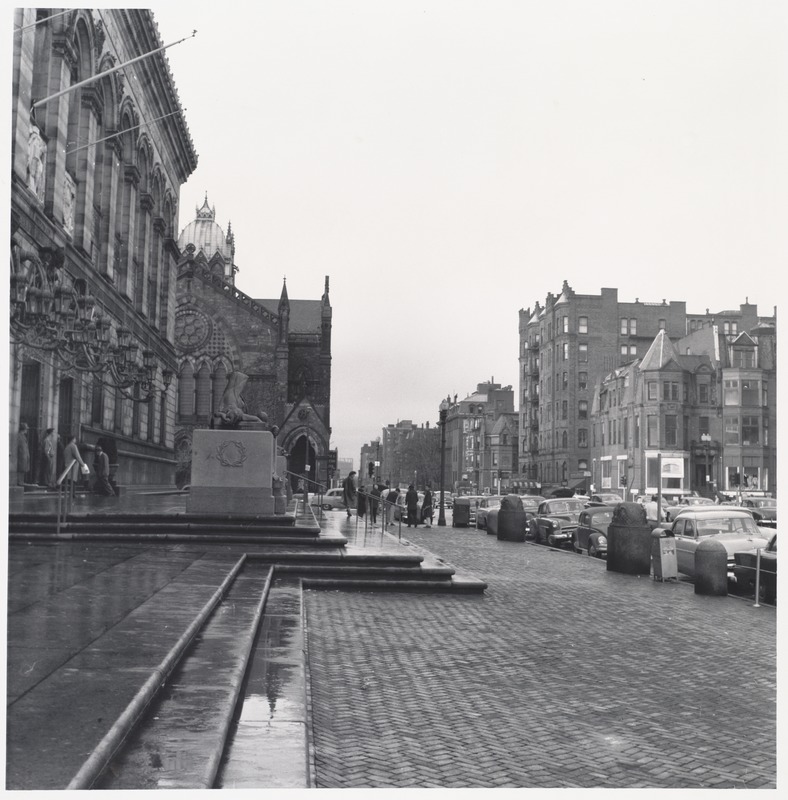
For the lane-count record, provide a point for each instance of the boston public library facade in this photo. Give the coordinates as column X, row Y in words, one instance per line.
column 98, row 159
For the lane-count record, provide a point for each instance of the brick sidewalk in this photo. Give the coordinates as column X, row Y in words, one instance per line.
column 561, row 675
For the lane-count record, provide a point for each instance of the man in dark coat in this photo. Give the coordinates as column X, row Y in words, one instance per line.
column 412, row 504
column 374, row 501
column 349, row 492
column 101, row 465
column 22, row 454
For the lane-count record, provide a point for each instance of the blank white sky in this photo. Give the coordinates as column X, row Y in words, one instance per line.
column 448, row 163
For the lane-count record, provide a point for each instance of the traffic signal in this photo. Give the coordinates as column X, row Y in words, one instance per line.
column 371, row 468
column 622, row 481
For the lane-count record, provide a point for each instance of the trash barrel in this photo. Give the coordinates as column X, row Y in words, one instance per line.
column 711, row 568
column 629, row 541
column 461, row 512
column 511, row 519
column 663, row 556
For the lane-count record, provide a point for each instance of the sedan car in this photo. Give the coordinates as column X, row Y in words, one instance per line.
column 486, row 504
column 746, row 564
column 400, row 510
column 590, row 535
column 734, row 528
column 766, row 507
column 607, row 499
column 671, row 509
column 330, row 500
column 556, row 520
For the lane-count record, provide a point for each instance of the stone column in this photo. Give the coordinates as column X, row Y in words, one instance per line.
column 89, row 111
column 110, row 168
column 143, row 253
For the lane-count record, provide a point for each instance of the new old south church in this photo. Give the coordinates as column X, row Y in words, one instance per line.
column 283, row 345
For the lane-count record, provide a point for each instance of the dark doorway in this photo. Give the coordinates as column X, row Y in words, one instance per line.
column 30, row 411
column 297, row 461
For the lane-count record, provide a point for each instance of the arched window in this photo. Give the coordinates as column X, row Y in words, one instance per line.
column 219, row 382
column 203, row 391
column 186, row 391
column 564, row 440
column 563, row 471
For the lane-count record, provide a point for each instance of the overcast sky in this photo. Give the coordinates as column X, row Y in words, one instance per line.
column 449, row 163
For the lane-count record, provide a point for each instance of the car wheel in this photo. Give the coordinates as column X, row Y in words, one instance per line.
column 550, row 541
column 326, row 506
column 592, row 551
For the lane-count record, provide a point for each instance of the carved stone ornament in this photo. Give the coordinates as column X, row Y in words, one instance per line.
column 231, row 453
column 36, row 160
column 69, row 202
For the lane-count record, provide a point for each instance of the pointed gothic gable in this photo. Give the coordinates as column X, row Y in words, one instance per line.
column 744, row 340
column 660, row 355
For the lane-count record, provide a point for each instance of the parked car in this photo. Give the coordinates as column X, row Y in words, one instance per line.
column 556, row 520
column 735, row 528
column 590, row 535
column 531, row 502
column 605, row 499
column 486, row 504
column 671, row 509
column 766, row 507
column 332, row 498
column 401, row 511
column 744, row 568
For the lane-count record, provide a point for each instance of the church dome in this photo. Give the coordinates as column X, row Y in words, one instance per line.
column 206, row 235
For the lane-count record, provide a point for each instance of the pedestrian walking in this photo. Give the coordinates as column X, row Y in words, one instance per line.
column 374, row 502
column 412, row 504
column 349, row 494
column 22, row 454
column 79, row 468
column 361, row 502
column 426, row 508
column 101, row 467
column 391, row 501
column 49, row 460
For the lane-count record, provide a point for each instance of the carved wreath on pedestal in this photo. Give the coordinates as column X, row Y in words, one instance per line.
column 231, row 453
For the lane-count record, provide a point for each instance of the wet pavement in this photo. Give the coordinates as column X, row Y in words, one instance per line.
column 560, row 675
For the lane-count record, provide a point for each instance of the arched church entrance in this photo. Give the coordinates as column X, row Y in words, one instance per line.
column 301, row 453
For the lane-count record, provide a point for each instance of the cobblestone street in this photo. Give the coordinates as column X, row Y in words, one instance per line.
column 561, row 675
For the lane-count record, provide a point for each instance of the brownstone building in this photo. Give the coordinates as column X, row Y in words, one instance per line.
column 702, row 407
column 481, row 440
column 283, row 345
column 571, row 344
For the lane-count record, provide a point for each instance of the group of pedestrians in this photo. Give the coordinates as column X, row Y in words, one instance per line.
column 55, row 457
column 383, row 494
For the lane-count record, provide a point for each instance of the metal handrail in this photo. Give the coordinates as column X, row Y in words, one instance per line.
column 307, row 481
column 59, row 484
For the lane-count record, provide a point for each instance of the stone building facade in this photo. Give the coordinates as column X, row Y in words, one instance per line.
column 94, row 206
column 570, row 344
column 283, row 345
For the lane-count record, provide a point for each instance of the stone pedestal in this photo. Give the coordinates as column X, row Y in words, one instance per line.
column 232, row 473
column 280, row 497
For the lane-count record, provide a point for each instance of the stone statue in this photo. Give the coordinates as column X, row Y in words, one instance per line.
column 231, row 413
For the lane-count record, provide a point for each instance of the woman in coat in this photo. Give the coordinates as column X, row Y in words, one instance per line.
column 49, row 451
column 72, row 452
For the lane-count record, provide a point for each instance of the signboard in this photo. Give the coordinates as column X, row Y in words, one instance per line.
column 672, row 467
column 332, row 459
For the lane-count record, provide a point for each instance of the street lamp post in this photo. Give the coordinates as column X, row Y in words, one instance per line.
column 444, row 410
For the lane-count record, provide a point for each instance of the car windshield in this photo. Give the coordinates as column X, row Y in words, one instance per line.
column 602, row 518
column 699, row 501
column 610, row 498
column 766, row 502
column 566, row 506
column 713, row 525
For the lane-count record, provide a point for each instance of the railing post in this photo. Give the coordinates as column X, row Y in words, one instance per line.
column 757, row 578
